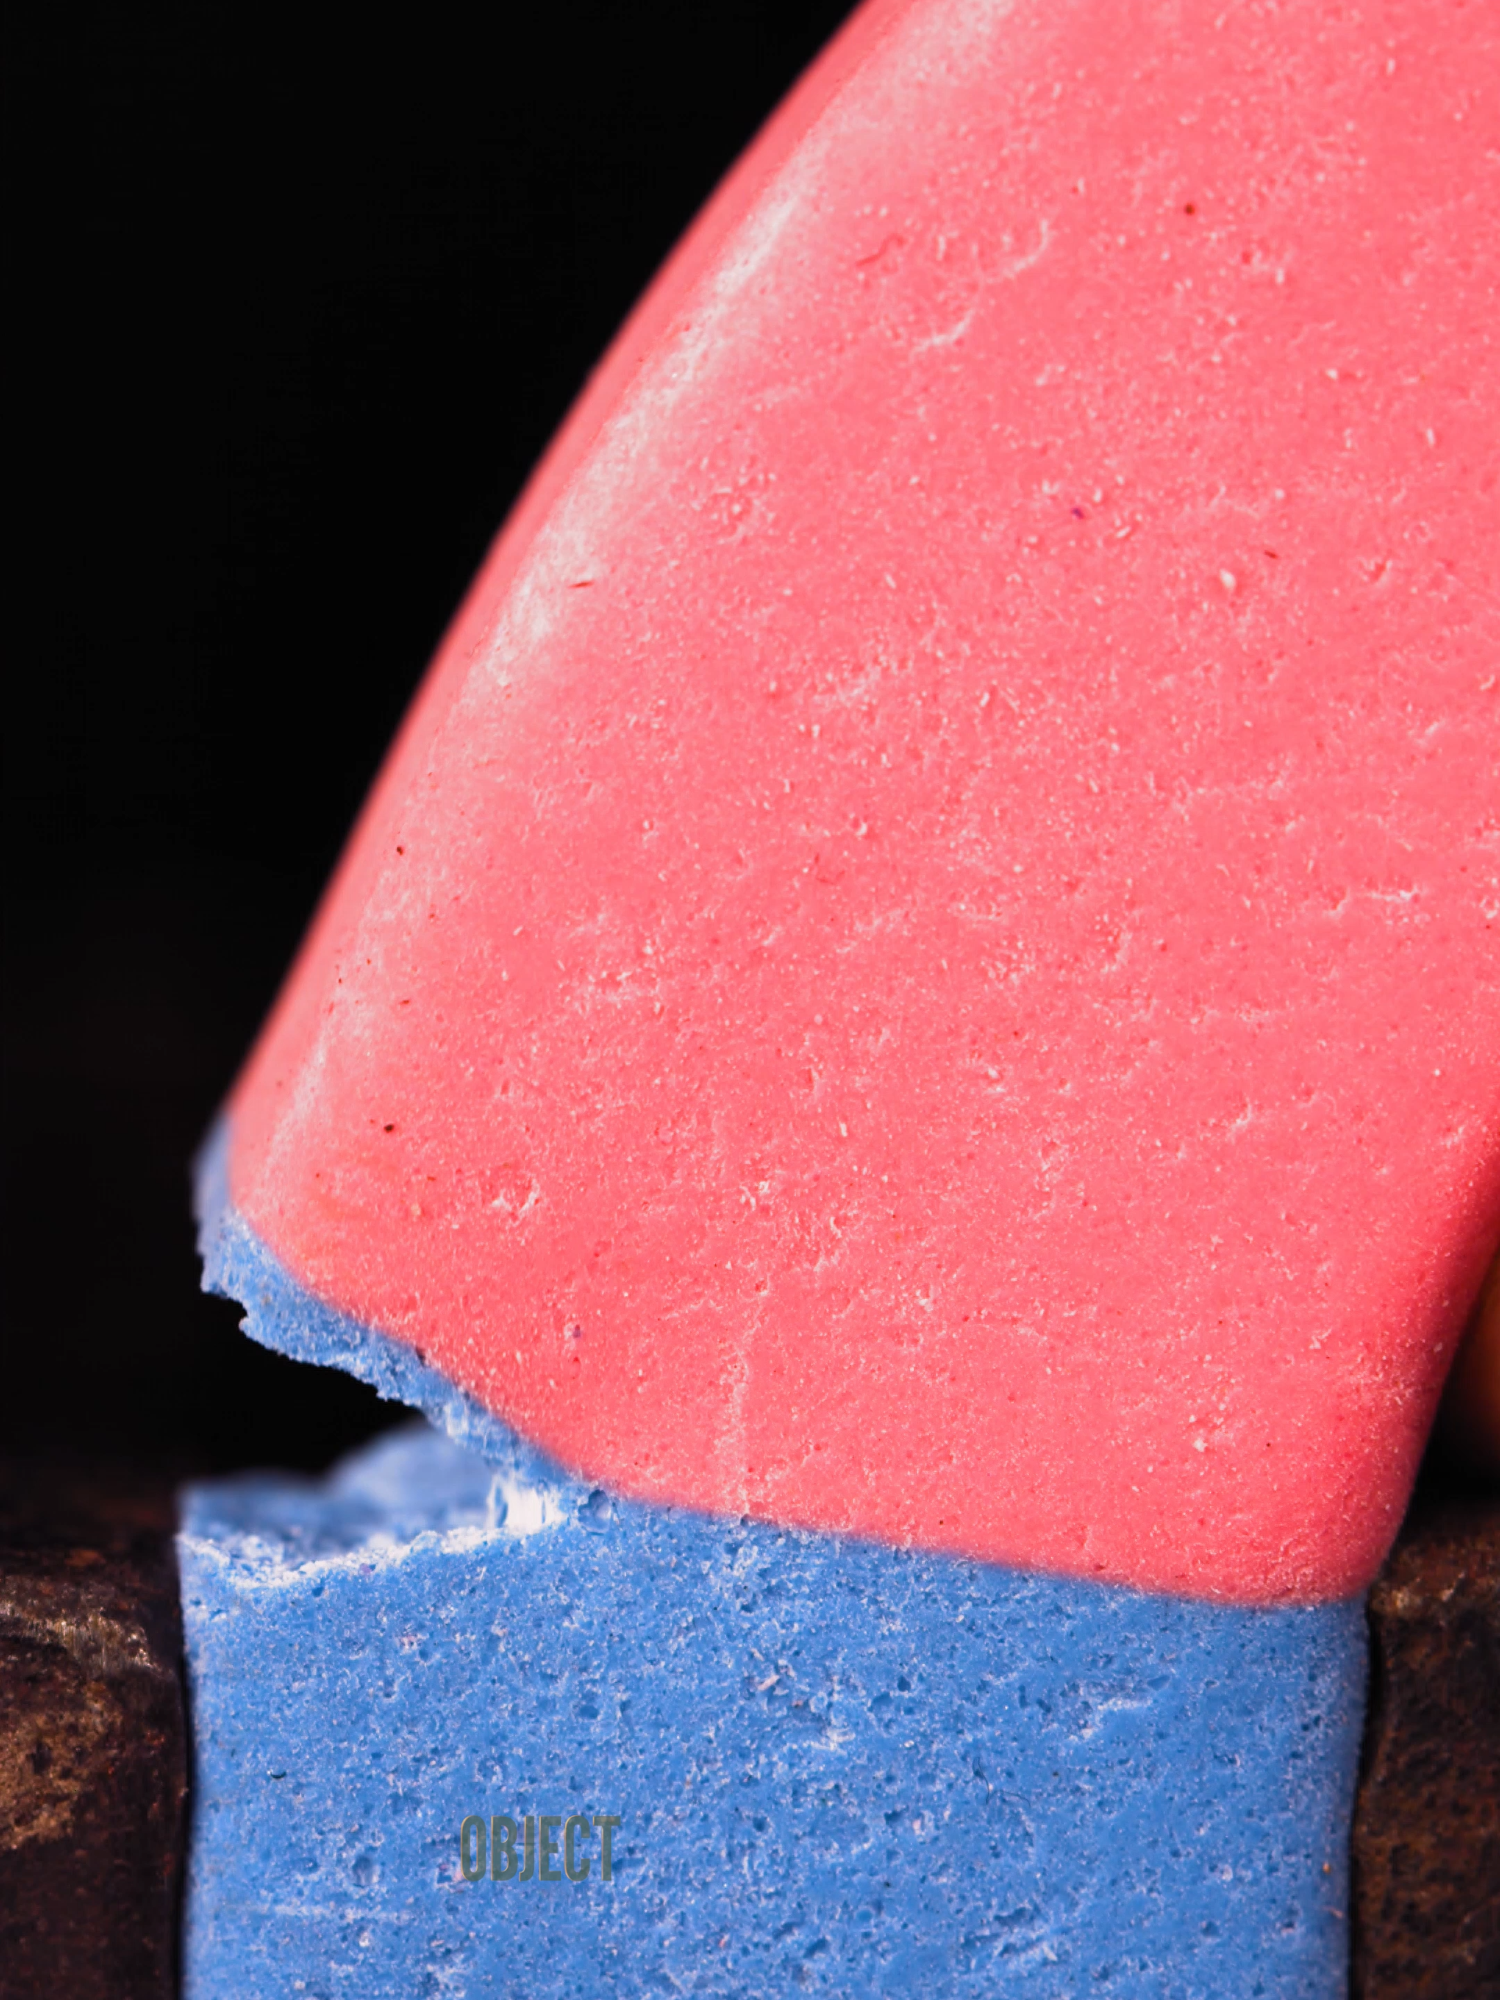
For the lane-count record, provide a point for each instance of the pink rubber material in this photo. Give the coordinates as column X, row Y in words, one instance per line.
column 926, row 960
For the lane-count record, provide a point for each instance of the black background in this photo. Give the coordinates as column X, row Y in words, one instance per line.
column 294, row 306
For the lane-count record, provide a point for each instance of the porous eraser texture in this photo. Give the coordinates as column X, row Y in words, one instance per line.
column 822, row 1766
column 925, row 961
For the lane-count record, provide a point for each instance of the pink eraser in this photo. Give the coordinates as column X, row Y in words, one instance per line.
column 925, row 961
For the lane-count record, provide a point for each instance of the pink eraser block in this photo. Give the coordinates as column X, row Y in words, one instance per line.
column 925, row 961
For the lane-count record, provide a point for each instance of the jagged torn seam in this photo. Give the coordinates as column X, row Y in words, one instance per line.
column 283, row 1315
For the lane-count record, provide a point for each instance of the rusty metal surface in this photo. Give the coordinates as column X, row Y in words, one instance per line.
column 93, row 1759
column 1427, row 1817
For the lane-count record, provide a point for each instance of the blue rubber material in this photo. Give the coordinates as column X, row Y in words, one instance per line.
column 836, row 1768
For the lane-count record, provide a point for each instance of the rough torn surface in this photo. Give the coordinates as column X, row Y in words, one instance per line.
column 838, row 1768
column 1427, row 1821
column 284, row 1315
column 93, row 1764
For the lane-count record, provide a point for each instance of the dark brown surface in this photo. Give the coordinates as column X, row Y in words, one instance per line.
column 93, row 1763
column 1427, row 1819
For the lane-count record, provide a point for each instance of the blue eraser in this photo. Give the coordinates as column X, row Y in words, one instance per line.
column 464, row 1726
